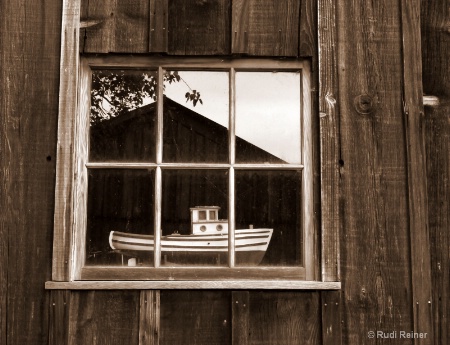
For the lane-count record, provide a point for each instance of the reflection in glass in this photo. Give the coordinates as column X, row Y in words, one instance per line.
column 191, row 233
column 123, row 115
column 196, row 109
column 270, row 200
column 268, row 117
column 118, row 200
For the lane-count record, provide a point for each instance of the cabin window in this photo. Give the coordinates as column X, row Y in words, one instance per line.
column 201, row 215
column 191, row 168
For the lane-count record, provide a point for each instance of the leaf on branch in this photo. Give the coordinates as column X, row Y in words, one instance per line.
column 116, row 92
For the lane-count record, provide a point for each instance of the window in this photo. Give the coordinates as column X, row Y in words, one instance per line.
column 193, row 169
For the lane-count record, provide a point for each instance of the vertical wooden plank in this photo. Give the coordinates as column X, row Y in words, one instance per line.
column 438, row 171
column 435, row 18
column 329, row 140
column 310, row 255
column 331, row 317
column 80, row 124
column 266, row 28
column 195, row 317
column 240, row 26
column 374, row 233
column 104, row 317
column 131, row 27
column 98, row 19
column 59, row 317
column 149, row 322
column 159, row 25
column 30, row 34
column 199, row 27
column 278, row 318
column 115, row 26
column 308, row 47
column 416, row 163
column 63, row 217
column 240, row 313
column 308, row 28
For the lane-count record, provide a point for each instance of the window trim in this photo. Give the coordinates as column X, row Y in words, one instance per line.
column 63, row 272
column 89, row 63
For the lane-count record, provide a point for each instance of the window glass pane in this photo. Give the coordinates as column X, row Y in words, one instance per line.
column 202, row 215
column 195, row 126
column 188, row 238
column 268, row 117
column 268, row 210
column 123, row 116
column 120, row 200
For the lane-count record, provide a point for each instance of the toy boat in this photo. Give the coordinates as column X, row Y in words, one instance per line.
column 207, row 243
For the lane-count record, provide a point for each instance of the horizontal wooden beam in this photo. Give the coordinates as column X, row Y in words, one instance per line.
column 189, row 284
column 180, row 63
column 190, row 273
column 119, row 165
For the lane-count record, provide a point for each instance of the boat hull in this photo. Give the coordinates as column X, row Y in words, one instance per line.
column 204, row 249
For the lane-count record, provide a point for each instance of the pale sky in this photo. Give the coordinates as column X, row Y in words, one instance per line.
column 267, row 106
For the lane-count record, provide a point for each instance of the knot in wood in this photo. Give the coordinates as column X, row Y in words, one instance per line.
column 363, row 104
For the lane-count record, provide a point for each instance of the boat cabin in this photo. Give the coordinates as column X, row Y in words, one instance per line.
column 205, row 220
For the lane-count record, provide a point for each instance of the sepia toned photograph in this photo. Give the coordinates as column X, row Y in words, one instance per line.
column 214, row 172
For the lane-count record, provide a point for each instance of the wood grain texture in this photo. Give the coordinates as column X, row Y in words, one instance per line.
column 438, row 173
column 121, row 26
column 104, row 317
column 278, row 318
column 191, row 62
column 96, row 38
column 416, row 170
column 374, row 238
column 265, row 28
column 199, row 27
column 435, row 19
column 308, row 29
column 198, row 273
column 80, row 124
column 159, row 26
column 331, row 317
column 240, row 312
column 192, row 284
column 329, row 140
column 149, row 317
column 310, row 260
column 131, row 26
column 29, row 67
column 59, row 317
column 63, row 217
column 195, row 317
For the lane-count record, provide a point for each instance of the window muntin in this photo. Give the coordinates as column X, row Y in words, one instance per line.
column 236, row 171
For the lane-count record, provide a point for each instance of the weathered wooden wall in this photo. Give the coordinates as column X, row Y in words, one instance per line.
column 29, row 78
column 370, row 127
column 375, row 211
column 435, row 21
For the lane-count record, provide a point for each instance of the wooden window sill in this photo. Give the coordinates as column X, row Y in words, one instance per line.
column 191, row 284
